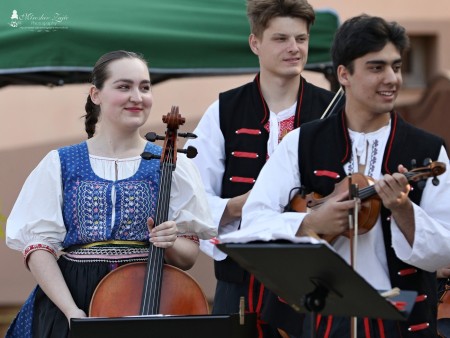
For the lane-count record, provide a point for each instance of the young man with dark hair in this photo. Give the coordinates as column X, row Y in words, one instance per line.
column 409, row 239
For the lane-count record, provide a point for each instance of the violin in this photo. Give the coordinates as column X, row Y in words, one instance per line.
column 153, row 287
column 370, row 201
column 444, row 303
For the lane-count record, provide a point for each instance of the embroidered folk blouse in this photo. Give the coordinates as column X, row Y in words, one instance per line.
column 36, row 220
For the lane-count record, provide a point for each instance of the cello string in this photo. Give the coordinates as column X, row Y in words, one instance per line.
column 112, row 307
column 166, row 180
column 152, row 285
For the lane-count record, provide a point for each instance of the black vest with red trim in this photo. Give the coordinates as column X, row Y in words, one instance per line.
column 243, row 113
column 325, row 145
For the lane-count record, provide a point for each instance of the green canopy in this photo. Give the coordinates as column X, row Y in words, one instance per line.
column 54, row 42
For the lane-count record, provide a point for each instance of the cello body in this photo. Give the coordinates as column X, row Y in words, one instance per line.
column 119, row 293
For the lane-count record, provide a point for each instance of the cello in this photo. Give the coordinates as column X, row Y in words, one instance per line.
column 152, row 287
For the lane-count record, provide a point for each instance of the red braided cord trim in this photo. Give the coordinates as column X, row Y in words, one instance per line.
column 33, row 247
column 193, row 238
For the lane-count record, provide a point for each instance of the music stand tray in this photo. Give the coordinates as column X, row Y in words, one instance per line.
column 193, row 326
column 313, row 278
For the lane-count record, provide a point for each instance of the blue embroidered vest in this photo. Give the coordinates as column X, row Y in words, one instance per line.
column 87, row 199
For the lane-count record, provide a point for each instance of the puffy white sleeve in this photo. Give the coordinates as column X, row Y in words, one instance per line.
column 431, row 249
column 36, row 220
column 210, row 159
column 188, row 203
column 210, row 162
column 262, row 216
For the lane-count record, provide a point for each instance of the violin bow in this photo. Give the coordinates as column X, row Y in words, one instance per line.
column 333, row 104
column 353, row 238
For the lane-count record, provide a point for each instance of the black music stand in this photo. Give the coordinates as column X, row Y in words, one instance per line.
column 195, row 326
column 313, row 278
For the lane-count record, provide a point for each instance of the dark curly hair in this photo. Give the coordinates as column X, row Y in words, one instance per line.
column 365, row 34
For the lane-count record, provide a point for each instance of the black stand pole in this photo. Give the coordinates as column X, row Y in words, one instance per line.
column 315, row 302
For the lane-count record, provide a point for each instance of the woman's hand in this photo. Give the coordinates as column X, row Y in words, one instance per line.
column 47, row 273
column 164, row 234
column 181, row 252
column 76, row 313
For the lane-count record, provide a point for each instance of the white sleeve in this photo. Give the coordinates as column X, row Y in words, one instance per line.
column 36, row 217
column 188, row 204
column 210, row 159
column 263, row 212
column 210, row 162
column 431, row 249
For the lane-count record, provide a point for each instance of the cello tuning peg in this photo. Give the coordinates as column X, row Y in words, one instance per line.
column 413, row 163
column 150, row 156
column 190, row 152
column 152, row 137
column 187, row 135
column 427, row 162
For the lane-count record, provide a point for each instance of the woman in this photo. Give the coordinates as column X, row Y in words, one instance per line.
column 96, row 201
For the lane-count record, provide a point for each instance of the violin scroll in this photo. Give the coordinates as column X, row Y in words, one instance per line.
column 430, row 169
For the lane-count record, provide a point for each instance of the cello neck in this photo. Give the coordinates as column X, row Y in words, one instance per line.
column 151, row 294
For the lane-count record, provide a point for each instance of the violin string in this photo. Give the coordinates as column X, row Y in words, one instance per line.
column 370, row 190
column 366, row 192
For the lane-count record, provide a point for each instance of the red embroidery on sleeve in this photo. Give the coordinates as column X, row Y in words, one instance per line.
column 214, row 240
column 192, row 238
column 33, row 247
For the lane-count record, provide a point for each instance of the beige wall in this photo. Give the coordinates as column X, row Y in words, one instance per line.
column 417, row 16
